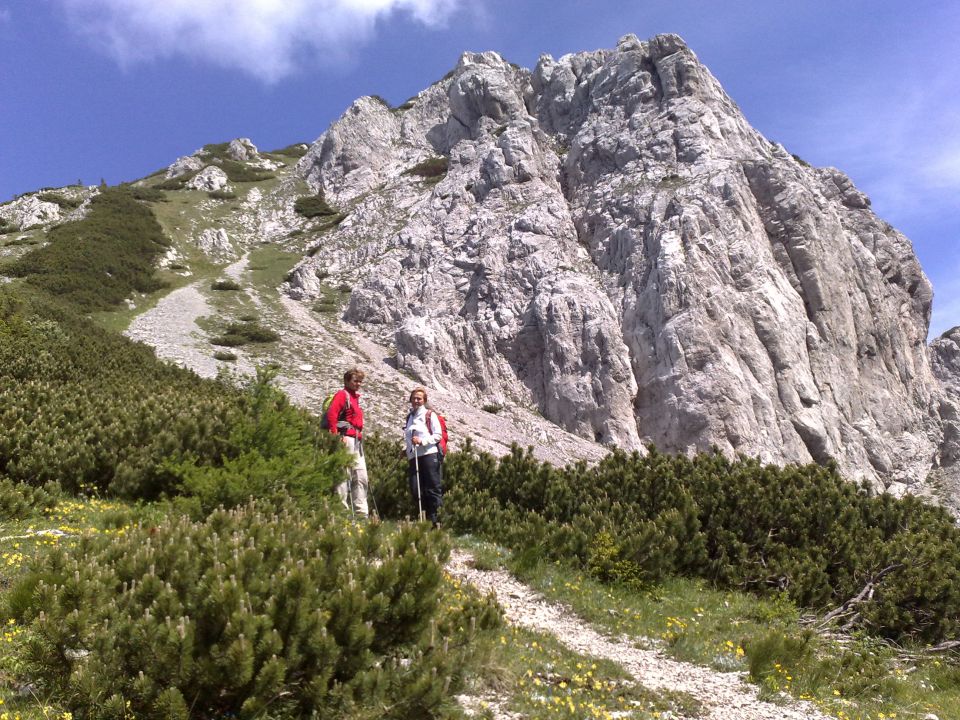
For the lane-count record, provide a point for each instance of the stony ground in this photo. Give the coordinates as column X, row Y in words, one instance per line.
column 724, row 696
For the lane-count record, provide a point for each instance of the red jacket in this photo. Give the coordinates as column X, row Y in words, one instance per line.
column 353, row 415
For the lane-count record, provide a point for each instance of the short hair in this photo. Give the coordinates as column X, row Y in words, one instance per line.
column 419, row 390
column 353, row 373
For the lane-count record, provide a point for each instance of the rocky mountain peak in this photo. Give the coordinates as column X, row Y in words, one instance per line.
column 611, row 243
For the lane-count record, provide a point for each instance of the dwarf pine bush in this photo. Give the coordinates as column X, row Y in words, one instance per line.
column 237, row 334
column 313, row 206
column 251, row 612
column 19, row 500
column 88, row 408
column 434, row 168
column 97, row 262
column 797, row 530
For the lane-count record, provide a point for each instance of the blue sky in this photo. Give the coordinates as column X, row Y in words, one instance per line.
column 116, row 89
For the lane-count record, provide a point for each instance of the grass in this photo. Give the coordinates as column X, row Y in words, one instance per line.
column 225, row 285
column 268, row 265
column 331, row 298
column 856, row 678
column 533, row 675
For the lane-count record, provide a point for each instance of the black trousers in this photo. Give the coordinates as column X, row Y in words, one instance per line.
column 429, row 485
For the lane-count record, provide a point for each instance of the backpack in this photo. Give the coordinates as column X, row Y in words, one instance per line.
column 442, row 445
column 327, row 401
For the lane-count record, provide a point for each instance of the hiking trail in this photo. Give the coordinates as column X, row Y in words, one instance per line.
column 723, row 696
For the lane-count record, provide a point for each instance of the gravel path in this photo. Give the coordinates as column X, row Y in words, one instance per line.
column 725, row 696
column 171, row 328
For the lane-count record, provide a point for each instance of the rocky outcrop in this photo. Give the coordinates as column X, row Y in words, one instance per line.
column 184, row 166
column 243, row 150
column 29, row 211
column 607, row 240
column 210, row 179
column 216, row 243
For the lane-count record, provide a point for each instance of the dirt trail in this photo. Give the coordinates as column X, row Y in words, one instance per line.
column 724, row 696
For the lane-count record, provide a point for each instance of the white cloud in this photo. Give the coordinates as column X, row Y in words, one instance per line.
column 268, row 39
column 943, row 170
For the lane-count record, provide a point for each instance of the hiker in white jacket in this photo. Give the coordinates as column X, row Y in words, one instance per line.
column 422, row 435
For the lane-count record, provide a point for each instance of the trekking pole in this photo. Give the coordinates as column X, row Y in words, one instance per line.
column 370, row 495
column 353, row 512
column 416, row 465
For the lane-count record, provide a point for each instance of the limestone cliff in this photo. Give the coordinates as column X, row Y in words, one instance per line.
column 607, row 240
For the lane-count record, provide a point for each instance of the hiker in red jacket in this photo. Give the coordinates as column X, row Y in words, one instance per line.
column 345, row 417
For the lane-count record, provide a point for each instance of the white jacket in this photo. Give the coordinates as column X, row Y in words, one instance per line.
column 417, row 425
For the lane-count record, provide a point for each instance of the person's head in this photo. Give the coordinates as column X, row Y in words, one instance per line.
column 353, row 378
column 418, row 397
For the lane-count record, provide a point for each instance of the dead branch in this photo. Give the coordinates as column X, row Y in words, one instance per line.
column 848, row 608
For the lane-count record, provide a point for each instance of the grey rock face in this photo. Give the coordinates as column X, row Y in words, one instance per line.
column 184, row 165
column 215, row 242
column 613, row 245
column 28, row 211
column 210, row 179
column 243, row 149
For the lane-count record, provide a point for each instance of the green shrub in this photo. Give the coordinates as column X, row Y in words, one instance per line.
column 225, row 285
column 216, row 150
column 176, row 183
column 19, row 500
column 248, row 613
column 313, row 206
column 229, row 340
column 97, row 262
column 431, row 168
column 88, row 408
column 242, row 333
column 145, row 193
column 67, row 203
column 297, row 150
column 238, row 172
column 222, row 195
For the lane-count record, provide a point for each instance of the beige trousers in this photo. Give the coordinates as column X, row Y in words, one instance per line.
column 356, row 484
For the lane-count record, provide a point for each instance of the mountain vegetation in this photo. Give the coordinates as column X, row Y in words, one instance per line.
column 890, row 565
column 221, row 607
